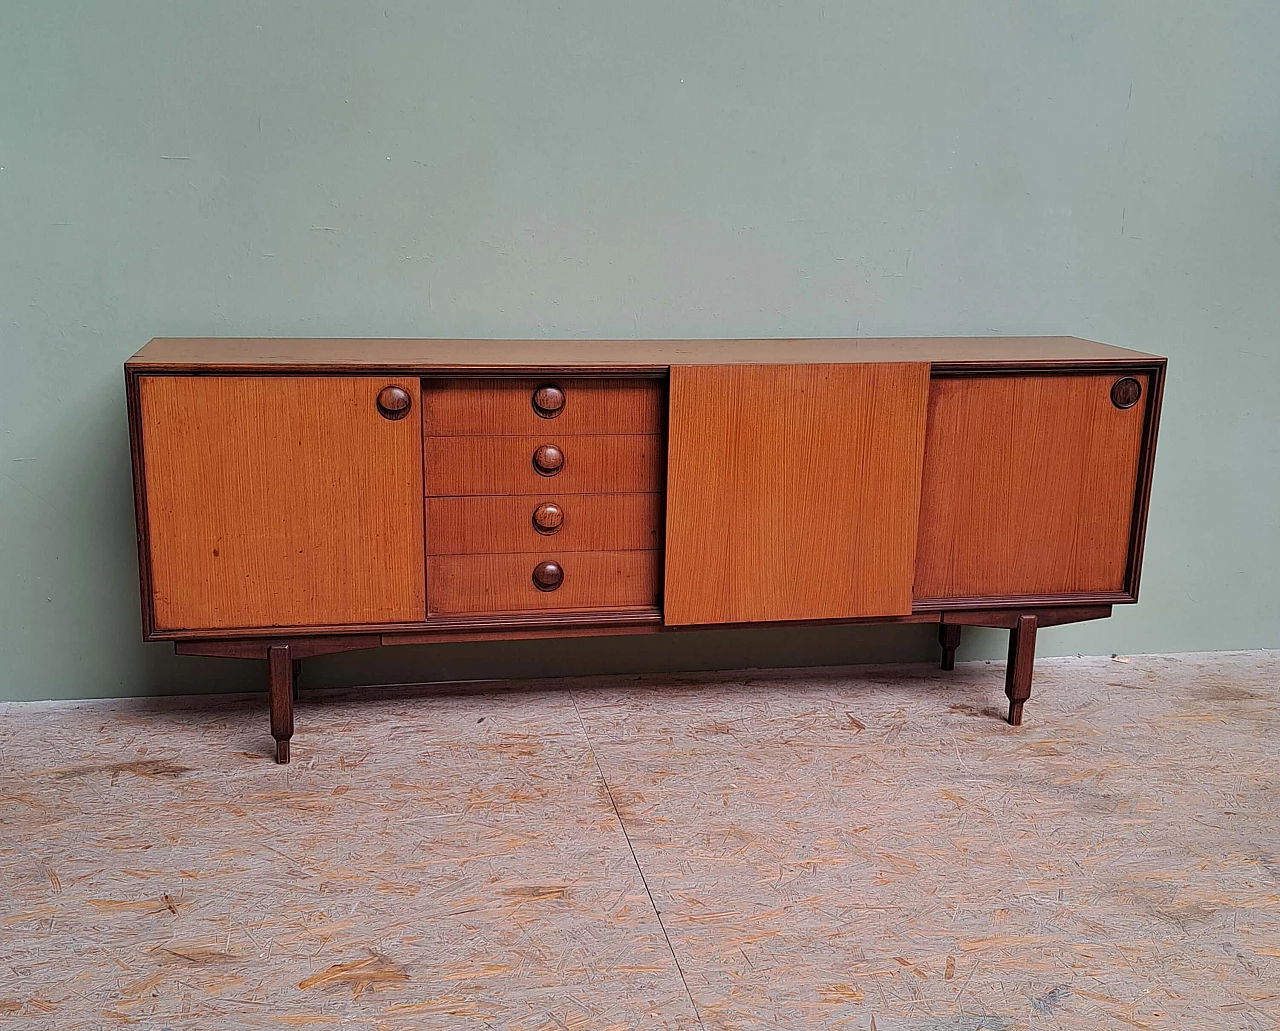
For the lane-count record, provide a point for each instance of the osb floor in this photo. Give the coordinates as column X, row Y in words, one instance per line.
column 859, row 849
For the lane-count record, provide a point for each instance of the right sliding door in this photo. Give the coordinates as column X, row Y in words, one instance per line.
column 1030, row 487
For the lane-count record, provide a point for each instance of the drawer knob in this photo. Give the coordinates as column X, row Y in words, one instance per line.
column 548, row 401
column 1125, row 392
column 548, row 459
column 394, row 402
column 548, row 517
column 547, row 576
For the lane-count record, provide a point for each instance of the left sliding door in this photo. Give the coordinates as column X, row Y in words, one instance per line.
column 281, row 501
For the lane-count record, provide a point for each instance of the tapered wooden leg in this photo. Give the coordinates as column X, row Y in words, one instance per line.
column 1022, row 657
column 949, row 638
column 280, row 692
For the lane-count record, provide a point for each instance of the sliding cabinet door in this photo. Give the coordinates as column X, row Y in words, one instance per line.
column 793, row 491
column 282, row 501
column 1030, row 483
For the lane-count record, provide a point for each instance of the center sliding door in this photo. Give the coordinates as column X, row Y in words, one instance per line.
column 793, row 491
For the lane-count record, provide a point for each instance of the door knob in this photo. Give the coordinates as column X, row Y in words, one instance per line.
column 548, row 517
column 547, row 576
column 548, row 401
column 1125, row 392
column 394, row 402
column 548, row 459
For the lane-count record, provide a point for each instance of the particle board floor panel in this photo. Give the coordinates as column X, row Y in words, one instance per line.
column 863, row 848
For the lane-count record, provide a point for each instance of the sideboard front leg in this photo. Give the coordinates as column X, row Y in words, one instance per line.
column 949, row 638
column 280, row 692
column 1022, row 657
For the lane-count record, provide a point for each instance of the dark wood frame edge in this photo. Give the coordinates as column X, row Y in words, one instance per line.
column 133, row 406
column 1146, row 473
column 405, row 371
column 435, row 624
column 1023, row 601
column 325, row 644
column 1007, row 619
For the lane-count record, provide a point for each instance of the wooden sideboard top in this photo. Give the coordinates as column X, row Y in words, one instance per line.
column 176, row 354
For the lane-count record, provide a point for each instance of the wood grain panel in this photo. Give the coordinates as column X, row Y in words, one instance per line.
column 504, row 525
column 793, row 491
column 281, row 501
column 1029, row 486
column 504, row 465
column 458, row 584
column 489, row 407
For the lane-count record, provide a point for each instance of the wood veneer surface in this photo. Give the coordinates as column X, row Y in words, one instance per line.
column 499, row 525
column 281, row 501
column 460, row 584
column 536, row 356
column 504, row 464
column 1028, row 486
column 480, row 407
column 793, row 491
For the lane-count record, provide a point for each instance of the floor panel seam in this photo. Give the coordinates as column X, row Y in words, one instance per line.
column 595, row 761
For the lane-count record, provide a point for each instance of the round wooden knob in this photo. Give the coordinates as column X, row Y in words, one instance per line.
column 548, row 401
column 548, row 517
column 1125, row 392
column 547, row 576
column 548, row 459
column 394, row 402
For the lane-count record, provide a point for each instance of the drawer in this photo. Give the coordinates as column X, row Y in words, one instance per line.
column 505, row 465
column 479, row 407
column 573, row 523
column 471, row 584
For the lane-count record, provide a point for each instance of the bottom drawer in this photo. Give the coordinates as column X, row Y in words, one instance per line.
column 471, row 584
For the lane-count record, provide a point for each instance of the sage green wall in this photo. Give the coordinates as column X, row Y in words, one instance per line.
column 173, row 167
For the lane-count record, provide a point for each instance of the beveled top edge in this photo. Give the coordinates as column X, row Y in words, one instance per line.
column 213, row 353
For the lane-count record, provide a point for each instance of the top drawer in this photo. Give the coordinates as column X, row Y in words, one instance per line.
column 488, row 407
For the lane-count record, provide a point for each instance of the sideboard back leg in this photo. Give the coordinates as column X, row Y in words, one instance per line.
column 949, row 638
column 1022, row 657
column 297, row 672
column 280, row 691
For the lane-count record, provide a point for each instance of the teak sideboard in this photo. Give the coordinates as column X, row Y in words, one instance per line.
column 301, row 497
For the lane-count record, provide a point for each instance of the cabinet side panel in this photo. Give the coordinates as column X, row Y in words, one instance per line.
column 281, row 501
column 793, row 491
column 1029, row 484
